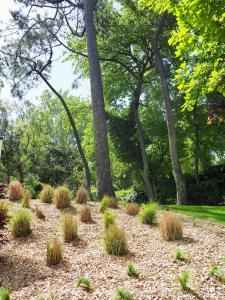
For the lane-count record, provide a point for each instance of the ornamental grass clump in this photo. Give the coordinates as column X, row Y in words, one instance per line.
column 148, row 213
column 3, row 214
column 26, row 199
column 15, row 191
column 181, row 254
column 54, row 252
column 84, row 283
column 115, row 241
column 39, row 213
column 170, row 226
column 123, row 294
column 4, row 293
column 184, row 280
column 132, row 209
column 20, row 223
column 111, row 202
column 108, row 219
column 103, row 205
column 85, row 214
column 131, row 271
column 69, row 228
column 62, row 197
column 46, row 195
column 82, row 195
column 218, row 273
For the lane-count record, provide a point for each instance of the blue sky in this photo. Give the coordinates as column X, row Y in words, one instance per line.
column 62, row 74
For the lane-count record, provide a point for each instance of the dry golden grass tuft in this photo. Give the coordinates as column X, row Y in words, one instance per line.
column 85, row 214
column 112, row 202
column 82, row 195
column 170, row 226
column 69, row 227
column 54, row 252
column 132, row 209
column 62, row 197
column 46, row 195
column 39, row 212
column 15, row 191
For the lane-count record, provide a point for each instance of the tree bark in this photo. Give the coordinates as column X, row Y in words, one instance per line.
column 75, row 132
column 176, row 167
column 196, row 150
column 140, row 133
column 104, row 179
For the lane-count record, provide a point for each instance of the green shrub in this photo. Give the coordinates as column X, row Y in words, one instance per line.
column 108, row 219
column 218, row 273
column 148, row 214
column 82, row 195
column 115, row 241
column 3, row 214
column 131, row 271
column 46, row 195
column 84, row 283
column 20, row 223
column 62, row 197
column 4, row 293
column 181, row 254
column 26, row 199
column 103, row 205
column 69, row 227
column 33, row 185
column 54, row 252
column 123, row 294
column 184, row 279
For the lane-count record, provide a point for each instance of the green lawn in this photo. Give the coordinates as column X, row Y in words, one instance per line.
column 212, row 213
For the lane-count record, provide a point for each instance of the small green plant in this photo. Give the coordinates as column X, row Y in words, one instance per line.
column 3, row 214
column 103, row 205
column 84, row 283
column 123, row 294
column 108, row 219
column 148, row 214
column 20, row 223
column 54, row 252
column 218, row 273
column 4, row 293
column 181, row 254
column 115, row 241
column 46, row 195
column 195, row 222
column 184, row 279
column 26, row 199
column 131, row 271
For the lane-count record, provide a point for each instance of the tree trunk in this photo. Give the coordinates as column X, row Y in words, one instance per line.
column 75, row 132
column 104, row 179
column 140, row 133
column 20, row 172
column 176, row 167
column 196, row 150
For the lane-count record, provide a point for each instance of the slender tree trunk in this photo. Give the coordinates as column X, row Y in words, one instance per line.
column 140, row 133
column 20, row 172
column 75, row 132
column 196, row 150
column 104, row 179
column 176, row 167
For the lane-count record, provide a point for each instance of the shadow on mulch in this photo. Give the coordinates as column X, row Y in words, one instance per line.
column 17, row 272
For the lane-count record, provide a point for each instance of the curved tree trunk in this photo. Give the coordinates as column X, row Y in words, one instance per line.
column 140, row 133
column 75, row 132
column 104, row 179
column 176, row 167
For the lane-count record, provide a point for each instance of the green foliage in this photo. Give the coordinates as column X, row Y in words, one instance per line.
column 196, row 222
column 115, row 241
column 84, row 283
column 3, row 214
column 184, row 279
column 180, row 254
column 33, row 185
column 4, row 293
column 26, row 199
column 46, row 195
column 148, row 213
column 103, row 205
column 218, row 273
column 20, row 223
column 108, row 219
column 123, row 294
column 131, row 271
